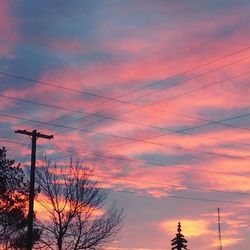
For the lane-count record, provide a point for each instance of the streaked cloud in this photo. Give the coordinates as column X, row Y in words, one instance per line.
column 150, row 132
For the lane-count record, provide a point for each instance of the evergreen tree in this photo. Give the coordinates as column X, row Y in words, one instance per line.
column 14, row 198
column 179, row 242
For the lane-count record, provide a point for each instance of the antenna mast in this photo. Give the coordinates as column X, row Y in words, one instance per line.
column 219, row 230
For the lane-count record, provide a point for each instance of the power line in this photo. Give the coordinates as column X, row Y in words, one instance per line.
column 140, row 106
column 174, row 76
column 195, row 127
column 198, row 89
column 102, row 156
column 172, row 185
column 172, row 131
column 28, row 79
column 182, row 197
column 194, row 77
column 187, row 71
column 127, row 138
column 13, row 142
column 156, row 109
column 165, row 185
column 119, row 158
column 183, row 130
column 199, row 126
column 169, row 196
column 194, row 198
column 124, row 121
column 203, row 199
column 114, row 99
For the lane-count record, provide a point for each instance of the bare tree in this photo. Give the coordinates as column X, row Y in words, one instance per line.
column 76, row 218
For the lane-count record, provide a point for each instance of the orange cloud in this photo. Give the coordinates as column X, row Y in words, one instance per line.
column 43, row 204
column 191, row 228
column 228, row 242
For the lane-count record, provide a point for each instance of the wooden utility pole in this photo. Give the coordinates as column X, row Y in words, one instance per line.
column 34, row 136
column 219, row 231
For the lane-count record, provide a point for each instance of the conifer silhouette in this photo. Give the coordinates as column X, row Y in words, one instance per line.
column 179, row 242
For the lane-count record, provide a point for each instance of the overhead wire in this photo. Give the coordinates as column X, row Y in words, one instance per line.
column 127, row 138
column 140, row 106
column 179, row 197
column 177, row 186
column 124, row 121
column 120, row 158
column 113, row 118
column 185, row 197
column 103, row 155
column 114, row 99
column 190, row 128
column 147, row 106
column 155, row 109
column 183, row 187
column 174, row 76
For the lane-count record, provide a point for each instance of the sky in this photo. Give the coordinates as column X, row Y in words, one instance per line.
column 153, row 94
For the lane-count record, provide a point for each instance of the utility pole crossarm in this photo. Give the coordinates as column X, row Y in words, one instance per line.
column 23, row 132
column 38, row 135
column 49, row 137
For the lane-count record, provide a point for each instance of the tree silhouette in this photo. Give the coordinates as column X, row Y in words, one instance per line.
column 76, row 218
column 179, row 242
column 14, row 200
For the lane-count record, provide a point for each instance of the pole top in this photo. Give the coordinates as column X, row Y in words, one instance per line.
column 34, row 133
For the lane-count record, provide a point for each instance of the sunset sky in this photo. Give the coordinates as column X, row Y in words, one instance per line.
column 153, row 94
